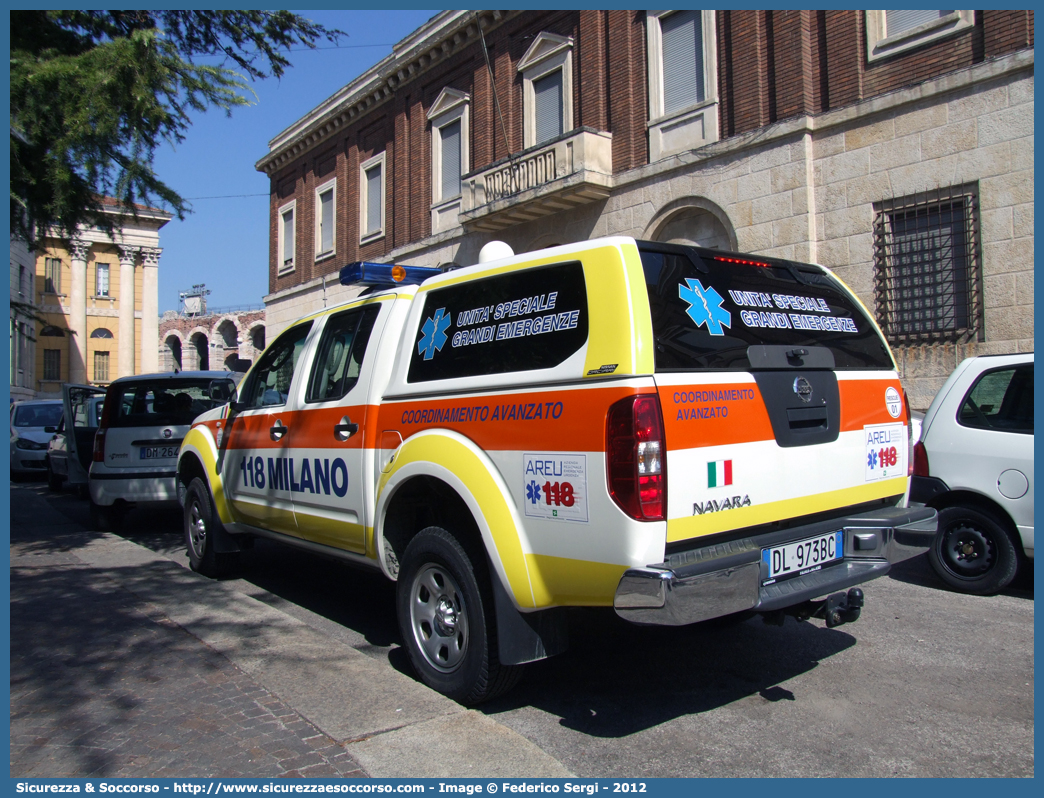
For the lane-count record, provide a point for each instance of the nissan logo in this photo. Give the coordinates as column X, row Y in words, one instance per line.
column 803, row 388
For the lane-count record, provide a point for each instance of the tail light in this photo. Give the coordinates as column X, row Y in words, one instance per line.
column 635, row 450
column 920, row 460
column 111, row 397
column 99, row 445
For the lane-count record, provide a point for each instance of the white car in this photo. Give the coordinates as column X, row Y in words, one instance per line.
column 135, row 449
column 974, row 464
column 32, row 425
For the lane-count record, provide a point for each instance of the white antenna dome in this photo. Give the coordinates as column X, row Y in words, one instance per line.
column 495, row 250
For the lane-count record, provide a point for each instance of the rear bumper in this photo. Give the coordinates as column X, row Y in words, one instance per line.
column 731, row 577
column 138, row 486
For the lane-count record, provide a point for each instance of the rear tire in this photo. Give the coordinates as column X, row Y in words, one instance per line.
column 54, row 481
column 201, row 526
column 972, row 552
column 448, row 621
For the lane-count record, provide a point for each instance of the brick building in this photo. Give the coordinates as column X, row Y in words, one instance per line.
column 217, row 340
column 895, row 147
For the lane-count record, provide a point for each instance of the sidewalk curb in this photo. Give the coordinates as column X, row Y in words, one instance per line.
column 397, row 726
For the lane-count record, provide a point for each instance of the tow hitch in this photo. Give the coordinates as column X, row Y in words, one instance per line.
column 836, row 609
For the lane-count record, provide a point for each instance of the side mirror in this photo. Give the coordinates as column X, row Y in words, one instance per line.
column 51, row 429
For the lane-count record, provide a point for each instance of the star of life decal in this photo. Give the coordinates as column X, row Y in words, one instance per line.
column 434, row 336
column 705, row 306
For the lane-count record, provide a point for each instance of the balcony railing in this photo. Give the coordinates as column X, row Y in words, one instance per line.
column 574, row 169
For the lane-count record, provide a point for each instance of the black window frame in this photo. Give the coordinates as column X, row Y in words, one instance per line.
column 513, row 354
column 1015, row 368
column 916, row 290
column 363, row 319
column 681, row 346
column 295, row 334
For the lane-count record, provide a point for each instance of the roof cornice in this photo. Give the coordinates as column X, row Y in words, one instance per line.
column 442, row 36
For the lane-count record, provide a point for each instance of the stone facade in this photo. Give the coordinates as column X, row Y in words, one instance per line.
column 97, row 300
column 230, row 341
column 813, row 140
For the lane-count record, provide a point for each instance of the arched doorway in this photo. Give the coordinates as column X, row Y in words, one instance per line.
column 172, row 354
column 257, row 338
column 229, row 334
column 692, row 220
column 202, row 349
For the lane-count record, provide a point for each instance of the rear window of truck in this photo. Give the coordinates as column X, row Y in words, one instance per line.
column 708, row 307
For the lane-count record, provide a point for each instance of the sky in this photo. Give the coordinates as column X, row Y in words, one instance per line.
column 224, row 243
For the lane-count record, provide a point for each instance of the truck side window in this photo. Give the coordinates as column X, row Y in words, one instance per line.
column 270, row 381
column 341, row 350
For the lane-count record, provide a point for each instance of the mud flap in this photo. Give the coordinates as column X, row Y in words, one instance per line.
column 527, row 636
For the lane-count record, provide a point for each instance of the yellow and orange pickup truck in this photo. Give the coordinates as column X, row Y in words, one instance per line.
column 679, row 433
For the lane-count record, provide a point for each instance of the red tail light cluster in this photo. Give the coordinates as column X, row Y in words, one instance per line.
column 635, row 450
column 920, row 460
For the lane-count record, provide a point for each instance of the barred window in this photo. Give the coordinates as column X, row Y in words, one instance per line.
column 927, row 276
column 52, row 365
column 101, row 366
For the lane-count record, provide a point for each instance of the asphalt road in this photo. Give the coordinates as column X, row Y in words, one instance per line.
column 928, row 683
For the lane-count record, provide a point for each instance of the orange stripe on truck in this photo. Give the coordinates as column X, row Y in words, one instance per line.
column 863, row 402
column 713, row 415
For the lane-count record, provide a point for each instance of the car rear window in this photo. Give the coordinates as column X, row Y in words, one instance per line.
column 709, row 306
column 163, row 402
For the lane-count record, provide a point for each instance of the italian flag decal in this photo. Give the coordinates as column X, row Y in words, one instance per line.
column 719, row 473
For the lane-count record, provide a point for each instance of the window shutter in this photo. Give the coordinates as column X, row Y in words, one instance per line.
column 326, row 221
column 547, row 94
column 898, row 21
column 373, row 199
column 682, row 60
column 450, row 159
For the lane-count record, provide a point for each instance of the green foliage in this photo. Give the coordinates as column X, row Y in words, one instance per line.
column 94, row 93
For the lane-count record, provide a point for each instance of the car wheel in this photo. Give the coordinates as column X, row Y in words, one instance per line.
column 447, row 619
column 201, row 526
column 972, row 552
column 54, row 481
column 107, row 518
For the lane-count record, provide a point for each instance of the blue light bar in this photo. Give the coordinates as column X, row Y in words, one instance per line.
column 363, row 273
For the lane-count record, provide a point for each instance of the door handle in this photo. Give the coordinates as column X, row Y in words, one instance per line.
column 277, row 430
column 345, row 429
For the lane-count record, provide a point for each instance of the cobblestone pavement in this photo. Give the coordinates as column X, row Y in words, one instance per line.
column 104, row 684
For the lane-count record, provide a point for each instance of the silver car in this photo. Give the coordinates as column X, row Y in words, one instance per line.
column 32, row 425
column 974, row 464
column 135, row 449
